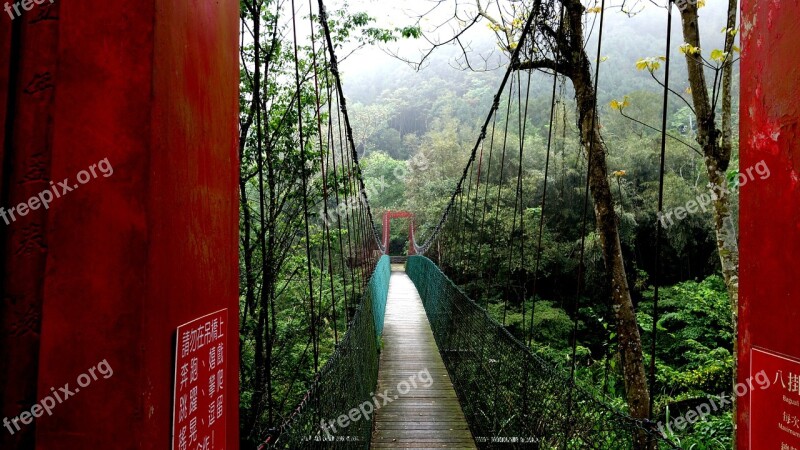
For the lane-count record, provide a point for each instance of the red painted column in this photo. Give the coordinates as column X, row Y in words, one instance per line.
column 29, row 61
column 387, row 223
column 115, row 266
column 411, row 249
column 769, row 339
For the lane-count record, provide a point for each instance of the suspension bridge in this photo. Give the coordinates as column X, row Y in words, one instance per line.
column 418, row 360
column 483, row 387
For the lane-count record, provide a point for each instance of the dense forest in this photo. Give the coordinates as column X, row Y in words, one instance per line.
column 414, row 128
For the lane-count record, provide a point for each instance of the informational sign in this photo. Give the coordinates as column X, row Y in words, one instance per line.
column 198, row 419
column 775, row 412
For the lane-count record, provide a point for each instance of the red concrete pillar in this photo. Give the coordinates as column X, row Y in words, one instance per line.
column 112, row 268
column 411, row 249
column 387, row 224
column 769, row 301
column 28, row 64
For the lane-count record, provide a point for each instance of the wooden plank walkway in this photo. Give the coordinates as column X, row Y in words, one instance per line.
column 429, row 415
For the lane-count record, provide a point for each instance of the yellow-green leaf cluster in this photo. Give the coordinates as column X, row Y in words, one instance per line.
column 689, row 49
column 618, row 105
column 495, row 27
column 650, row 64
column 718, row 55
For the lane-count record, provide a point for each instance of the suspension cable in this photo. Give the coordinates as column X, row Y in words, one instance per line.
column 304, row 171
column 515, row 58
column 657, row 270
column 557, row 58
column 334, row 67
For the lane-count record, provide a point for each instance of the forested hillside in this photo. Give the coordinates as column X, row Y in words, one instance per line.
column 434, row 115
column 414, row 130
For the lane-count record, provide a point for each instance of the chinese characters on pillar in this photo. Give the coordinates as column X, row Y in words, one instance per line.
column 199, row 400
column 775, row 412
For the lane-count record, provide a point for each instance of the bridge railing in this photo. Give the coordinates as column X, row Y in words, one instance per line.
column 345, row 382
column 511, row 397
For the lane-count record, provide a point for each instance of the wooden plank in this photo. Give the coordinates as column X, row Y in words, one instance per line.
column 421, row 410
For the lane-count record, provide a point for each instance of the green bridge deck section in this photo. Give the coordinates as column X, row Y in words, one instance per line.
column 422, row 409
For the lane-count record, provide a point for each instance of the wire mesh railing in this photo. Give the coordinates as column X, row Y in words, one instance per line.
column 511, row 397
column 346, row 381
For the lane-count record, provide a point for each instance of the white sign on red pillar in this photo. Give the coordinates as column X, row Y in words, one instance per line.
column 198, row 418
column 775, row 412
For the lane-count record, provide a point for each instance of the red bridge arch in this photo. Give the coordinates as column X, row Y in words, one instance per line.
column 387, row 224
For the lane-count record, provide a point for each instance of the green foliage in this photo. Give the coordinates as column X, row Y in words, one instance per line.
column 696, row 336
column 384, row 178
column 552, row 326
column 695, row 358
column 713, row 433
column 357, row 27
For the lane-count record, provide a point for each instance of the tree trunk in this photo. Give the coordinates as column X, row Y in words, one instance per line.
column 630, row 343
column 717, row 155
column 717, row 148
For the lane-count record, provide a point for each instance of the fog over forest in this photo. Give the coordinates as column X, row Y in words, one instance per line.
column 374, row 72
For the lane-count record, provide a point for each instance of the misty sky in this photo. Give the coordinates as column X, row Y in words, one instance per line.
column 649, row 21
